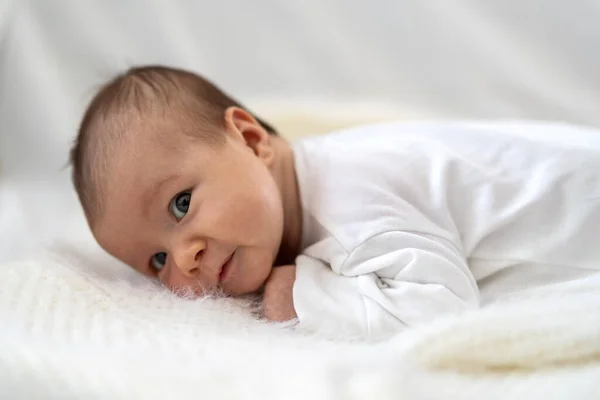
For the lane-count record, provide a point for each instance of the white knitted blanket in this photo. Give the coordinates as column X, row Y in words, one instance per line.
column 79, row 328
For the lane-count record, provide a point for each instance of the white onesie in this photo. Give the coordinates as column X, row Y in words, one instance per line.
column 408, row 221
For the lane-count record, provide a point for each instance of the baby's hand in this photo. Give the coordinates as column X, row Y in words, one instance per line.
column 278, row 303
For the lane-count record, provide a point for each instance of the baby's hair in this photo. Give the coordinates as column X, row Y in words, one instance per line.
column 130, row 97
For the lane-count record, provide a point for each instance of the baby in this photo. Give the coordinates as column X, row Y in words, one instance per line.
column 366, row 231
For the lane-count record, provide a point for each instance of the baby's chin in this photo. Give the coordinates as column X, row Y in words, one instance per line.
column 243, row 291
column 247, row 287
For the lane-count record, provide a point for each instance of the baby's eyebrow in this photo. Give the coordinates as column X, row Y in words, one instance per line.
column 153, row 191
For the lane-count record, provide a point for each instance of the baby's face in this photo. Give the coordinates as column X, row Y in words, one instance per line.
column 198, row 216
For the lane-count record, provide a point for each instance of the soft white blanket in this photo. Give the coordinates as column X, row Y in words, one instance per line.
column 77, row 327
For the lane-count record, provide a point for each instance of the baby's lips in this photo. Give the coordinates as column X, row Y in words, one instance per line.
column 224, row 269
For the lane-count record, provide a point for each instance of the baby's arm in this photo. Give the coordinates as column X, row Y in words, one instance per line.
column 393, row 280
column 278, row 304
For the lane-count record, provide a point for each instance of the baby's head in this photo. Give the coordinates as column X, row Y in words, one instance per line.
column 176, row 180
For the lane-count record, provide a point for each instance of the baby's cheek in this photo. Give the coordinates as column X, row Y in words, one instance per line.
column 243, row 217
column 252, row 269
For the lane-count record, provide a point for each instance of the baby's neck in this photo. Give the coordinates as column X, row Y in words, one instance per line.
column 284, row 172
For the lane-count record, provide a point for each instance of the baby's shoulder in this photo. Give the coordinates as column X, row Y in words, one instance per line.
column 358, row 183
column 358, row 153
column 361, row 164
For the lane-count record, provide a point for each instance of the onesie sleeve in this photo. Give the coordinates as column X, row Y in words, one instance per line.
column 391, row 281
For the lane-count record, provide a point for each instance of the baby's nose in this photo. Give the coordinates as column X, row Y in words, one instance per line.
column 187, row 257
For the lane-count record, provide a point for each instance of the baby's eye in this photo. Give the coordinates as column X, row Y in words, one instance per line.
column 180, row 204
column 158, row 261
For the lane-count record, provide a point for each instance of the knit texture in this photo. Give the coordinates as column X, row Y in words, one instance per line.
column 81, row 327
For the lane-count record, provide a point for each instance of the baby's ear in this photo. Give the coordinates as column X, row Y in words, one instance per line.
column 242, row 126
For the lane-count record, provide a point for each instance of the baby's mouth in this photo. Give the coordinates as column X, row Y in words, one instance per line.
column 225, row 268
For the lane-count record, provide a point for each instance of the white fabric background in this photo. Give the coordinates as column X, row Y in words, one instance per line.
column 422, row 58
